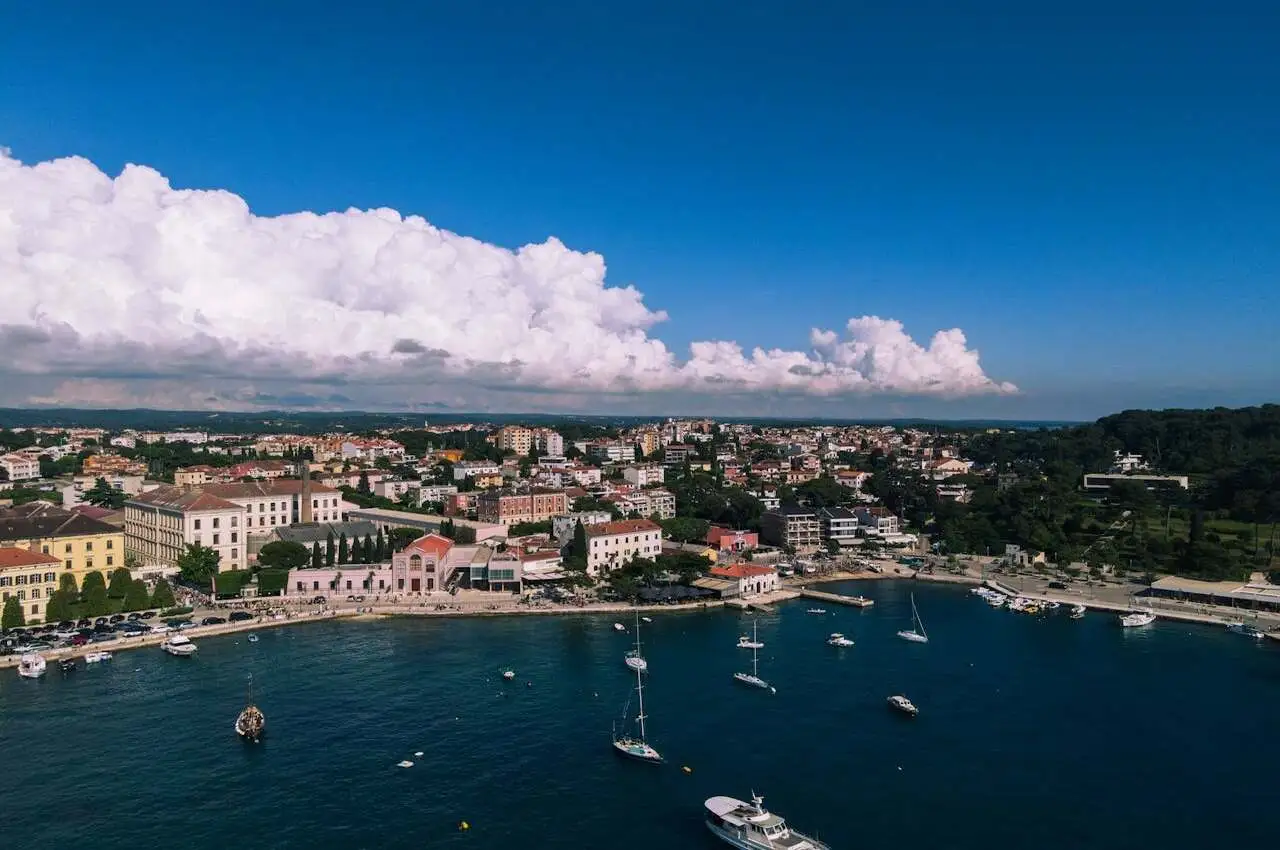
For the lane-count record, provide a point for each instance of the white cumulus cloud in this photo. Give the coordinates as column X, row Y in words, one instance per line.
column 127, row 278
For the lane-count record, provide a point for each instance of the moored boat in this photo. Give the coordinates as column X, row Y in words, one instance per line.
column 1246, row 630
column 901, row 703
column 838, row 639
column 750, row 826
column 1077, row 612
column 96, row 657
column 179, row 645
column 745, row 642
column 818, row 611
column 32, row 666
column 916, row 634
column 637, row 746
column 618, row 627
column 251, row 723
column 1137, row 619
column 67, row 665
column 753, row 678
column 635, row 657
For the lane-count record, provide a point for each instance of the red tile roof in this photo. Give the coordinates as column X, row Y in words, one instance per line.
column 431, row 544
column 11, row 556
column 622, row 526
column 741, row 571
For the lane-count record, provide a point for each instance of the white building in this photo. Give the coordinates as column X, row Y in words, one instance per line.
column 73, row 493
column 840, row 525
column 19, row 467
column 583, row 476
column 471, row 468
column 878, row 521
column 562, row 527
column 435, row 493
column 546, row 440
column 752, row 579
column 271, row 504
column 610, row 450
column 612, row 544
column 644, row 474
column 160, row 524
column 650, row 502
column 394, row 488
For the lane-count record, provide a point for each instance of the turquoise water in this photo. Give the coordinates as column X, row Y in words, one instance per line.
column 1053, row 732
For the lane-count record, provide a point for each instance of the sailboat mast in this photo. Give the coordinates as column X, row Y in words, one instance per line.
column 755, row 650
column 640, row 692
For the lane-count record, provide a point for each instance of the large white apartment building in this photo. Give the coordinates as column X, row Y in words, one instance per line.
column 160, row 524
column 644, row 474
column 20, row 467
column 546, row 440
column 612, row 544
column 271, row 504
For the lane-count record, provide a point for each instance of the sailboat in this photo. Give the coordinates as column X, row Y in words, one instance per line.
column 916, row 633
column 252, row 722
column 633, row 746
column 753, row 678
column 635, row 659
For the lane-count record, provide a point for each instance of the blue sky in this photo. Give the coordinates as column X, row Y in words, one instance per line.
column 1088, row 190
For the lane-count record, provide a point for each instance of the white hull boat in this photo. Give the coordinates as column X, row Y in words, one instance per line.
column 618, row 627
column 818, row 611
column 838, row 639
column 745, row 642
column 179, row 646
column 635, row 658
column 1077, row 612
column 749, row 826
column 1246, row 630
column 753, row 678
column 637, row 746
column 32, row 666
column 509, row 675
column 901, row 703
column 96, row 657
column 1137, row 619
column 916, row 634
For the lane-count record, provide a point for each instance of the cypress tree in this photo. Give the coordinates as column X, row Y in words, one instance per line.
column 368, row 550
column 317, row 559
column 343, row 553
column 94, row 595
column 329, row 551
column 380, row 551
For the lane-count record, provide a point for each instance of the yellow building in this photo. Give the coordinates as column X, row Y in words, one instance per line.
column 648, row 442
column 31, row 577
column 79, row 543
column 516, row 439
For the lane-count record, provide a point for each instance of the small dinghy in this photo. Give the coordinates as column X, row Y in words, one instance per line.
column 405, row 763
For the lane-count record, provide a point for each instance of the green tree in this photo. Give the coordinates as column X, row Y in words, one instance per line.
column 317, row 557
column 330, row 553
column 283, row 555
column 685, row 528
column 343, row 553
column 162, row 598
column 12, row 617
column 67, row 584
column 103, row 495
column 380, row 547
column 402, row 537
column 93, row 595
column 833, row 546
column 198, row 564
column 120, row 581
column 465, row 534
column 363, row 484
column 58, row 606
column 579, row 549
column 137, row 599
column 368, row 555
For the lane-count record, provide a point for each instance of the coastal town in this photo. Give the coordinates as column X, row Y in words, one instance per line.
column 98, row 526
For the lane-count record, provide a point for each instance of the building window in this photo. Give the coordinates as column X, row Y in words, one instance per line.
column 88, row 563
column 197, row 525
column 88, row 546
column 215, row 539
column 50, row 577
column 35, row 593
column 110, row 560
column 44, row 549
column 67, row 549
column 35, row 609
column 235, row 554
column 233, row 521
column 22, row 594
column 215, row 522
column 67, row 564
column 234, row 535
column 109, row 542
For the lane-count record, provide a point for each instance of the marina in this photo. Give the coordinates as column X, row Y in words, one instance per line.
column 477, row 733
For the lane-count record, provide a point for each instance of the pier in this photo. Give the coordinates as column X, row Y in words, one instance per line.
column 762, row 602
column 837, row 598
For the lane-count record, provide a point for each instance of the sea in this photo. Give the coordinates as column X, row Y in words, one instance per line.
column 1044, row 732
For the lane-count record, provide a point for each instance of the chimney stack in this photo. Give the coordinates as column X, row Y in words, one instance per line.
column 304, row 514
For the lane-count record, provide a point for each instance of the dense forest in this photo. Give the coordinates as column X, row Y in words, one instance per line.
column 1222, row 527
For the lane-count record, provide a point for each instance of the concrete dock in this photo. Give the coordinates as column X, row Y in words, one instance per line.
column 837, row 598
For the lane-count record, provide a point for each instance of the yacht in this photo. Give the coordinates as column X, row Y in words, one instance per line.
column 637, row 746
column 997, row 600
column 838, row 639
column 1136, row 619
column 916, row 633
column 635, row 658
column 745, row 642
column 750, row 826
column 1246, row 630
column 32, row 666
column 818, row 611
column 647, row 619
column 903, row 704
column 753, row 678
column 95, row 657
column 1077, row 612
column 618, row 627
column 179, row 645
column 509, row 675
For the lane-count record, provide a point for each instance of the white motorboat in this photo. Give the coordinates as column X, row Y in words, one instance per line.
column 916, row 634
column 1246, row 630
column 252, row 638
column 509, row 675
column 745, row 642
column 32, row 665
column 96, row 657
column 1077, row 611
column 749, row 826
column 753, row 678
column 838, row 639
column 179, row 645
column 997, row 600
column 1137, row 619
column 647, row 619
column 635, row 657
column 618, row 627
column 818, row 611
column 637, row 746
column 901, row 703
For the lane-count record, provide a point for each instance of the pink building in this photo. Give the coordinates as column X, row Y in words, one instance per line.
column 729, row 540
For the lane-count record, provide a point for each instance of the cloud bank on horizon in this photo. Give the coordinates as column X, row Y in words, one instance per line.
column 107, row 282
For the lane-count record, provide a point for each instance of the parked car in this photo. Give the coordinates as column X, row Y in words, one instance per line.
column 240, row 616
column 134, row 617
column 84, row 624
column 101, row 636
column 147, row 615
column 116, row 618
column 160, row 629
column 79, row 640
column 213, row 621
column 1057, row 585
column 319, row 600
